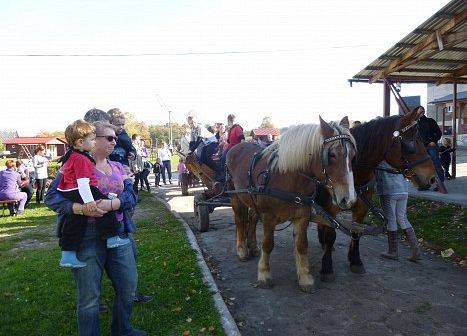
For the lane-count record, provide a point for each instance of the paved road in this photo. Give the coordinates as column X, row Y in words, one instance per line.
column 392, row 298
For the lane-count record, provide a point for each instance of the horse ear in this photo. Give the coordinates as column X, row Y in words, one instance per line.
column 345, row 122
column 326, row 130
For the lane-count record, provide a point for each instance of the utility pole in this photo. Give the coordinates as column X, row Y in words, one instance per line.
column 164, row 106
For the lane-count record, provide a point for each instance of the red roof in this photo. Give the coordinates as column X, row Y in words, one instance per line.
column 266, row 131
column 35, row 141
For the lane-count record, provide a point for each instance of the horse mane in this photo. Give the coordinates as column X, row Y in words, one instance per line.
column 374, row 135
column 300, row 147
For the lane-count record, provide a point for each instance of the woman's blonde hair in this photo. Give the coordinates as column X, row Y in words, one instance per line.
column 100, row 126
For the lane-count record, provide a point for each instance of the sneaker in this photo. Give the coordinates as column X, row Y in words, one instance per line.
column 116, row 241
column 170, row 181
column 142, row 298
column 69, row 260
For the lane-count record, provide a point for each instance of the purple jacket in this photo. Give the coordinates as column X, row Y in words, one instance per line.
column 10, row 179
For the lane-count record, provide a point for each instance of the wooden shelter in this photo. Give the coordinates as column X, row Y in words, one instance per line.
column 24, row 146
column 435, row 52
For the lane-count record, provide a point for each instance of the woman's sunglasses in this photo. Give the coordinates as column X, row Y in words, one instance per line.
column 109, row 138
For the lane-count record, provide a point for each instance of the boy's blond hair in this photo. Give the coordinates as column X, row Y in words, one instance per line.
column 79, row 129
column 448, row 141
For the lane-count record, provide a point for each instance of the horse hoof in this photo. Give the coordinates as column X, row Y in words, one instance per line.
column 242, row 254
column 265, row 284
column 359, row 269
column 329, row 277
column 255, row 252
column 309, row 289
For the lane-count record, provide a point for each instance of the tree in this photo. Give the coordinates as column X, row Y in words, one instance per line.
column 267, row 123
column 161, row 133
column 57, row 134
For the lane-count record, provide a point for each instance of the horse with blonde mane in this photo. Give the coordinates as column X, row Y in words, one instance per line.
column 287, row 173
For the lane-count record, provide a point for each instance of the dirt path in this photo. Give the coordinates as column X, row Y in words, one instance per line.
column 392, row 298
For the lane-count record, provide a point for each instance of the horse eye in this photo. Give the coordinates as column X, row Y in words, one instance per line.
column 332, row 155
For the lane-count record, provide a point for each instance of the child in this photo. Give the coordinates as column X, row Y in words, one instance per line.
column 181, row 168
column 156, row 169
column 393, row 192
column 79, row 184
column 445, row 154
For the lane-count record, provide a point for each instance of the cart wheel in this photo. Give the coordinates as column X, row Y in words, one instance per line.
column 203, row 217
column 184, row 184
column 196, row 199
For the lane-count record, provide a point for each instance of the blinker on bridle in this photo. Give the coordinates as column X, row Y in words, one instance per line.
column 397, row 135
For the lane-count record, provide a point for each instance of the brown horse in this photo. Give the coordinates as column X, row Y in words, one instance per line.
column 305, row 154
column 394, row 139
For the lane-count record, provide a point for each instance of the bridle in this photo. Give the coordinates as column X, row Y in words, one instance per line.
column 407, row 148
column 342, row 138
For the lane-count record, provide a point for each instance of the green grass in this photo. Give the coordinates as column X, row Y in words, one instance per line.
column 441, row 225
column 38, row 298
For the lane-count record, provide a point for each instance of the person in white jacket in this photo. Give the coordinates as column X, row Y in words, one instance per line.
column 40, row 163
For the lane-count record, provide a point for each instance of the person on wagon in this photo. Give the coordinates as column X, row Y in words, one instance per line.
column 79, row 184
column 234, row 137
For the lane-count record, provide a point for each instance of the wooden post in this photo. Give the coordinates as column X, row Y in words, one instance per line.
column 443, row 124
column 454, row 128
column 386, row 100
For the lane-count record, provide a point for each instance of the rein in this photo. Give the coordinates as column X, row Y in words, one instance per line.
column 296, row 198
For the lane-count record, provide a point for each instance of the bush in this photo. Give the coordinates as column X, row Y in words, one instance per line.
column 53, row 168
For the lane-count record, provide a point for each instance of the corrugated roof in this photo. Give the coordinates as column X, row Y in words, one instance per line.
column 435, row 52
column 448, row 98
column 34, row 141
column 266, row 131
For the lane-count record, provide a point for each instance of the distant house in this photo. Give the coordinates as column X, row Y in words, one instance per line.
column 24, row 146
column 264, row 133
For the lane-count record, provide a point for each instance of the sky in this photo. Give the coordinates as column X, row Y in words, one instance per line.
column 289, row 60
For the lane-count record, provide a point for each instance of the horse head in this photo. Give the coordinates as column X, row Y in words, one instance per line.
column 338, row 151
column 408, row 154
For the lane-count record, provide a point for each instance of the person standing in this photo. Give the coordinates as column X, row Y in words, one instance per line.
column 40, row 164
column 163, row 157
column 430, row 134
column 445, row 153
column 392, row 188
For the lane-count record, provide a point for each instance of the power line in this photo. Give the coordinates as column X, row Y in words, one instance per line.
column 232, row 52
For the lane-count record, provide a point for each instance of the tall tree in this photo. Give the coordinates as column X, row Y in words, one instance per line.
column 267, row 123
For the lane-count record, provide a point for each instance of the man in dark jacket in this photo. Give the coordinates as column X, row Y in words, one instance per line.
column 430, row 134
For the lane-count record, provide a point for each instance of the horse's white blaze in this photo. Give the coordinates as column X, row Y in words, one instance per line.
column 350, row 180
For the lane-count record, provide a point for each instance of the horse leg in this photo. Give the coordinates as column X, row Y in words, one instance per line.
column 329, row 237
column 305, row 279
column 264, row 270
column 241, row 218
column 321, row 233
column 252, row 244
column 356, row 265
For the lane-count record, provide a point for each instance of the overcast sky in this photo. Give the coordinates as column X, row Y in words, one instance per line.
column 289, row 60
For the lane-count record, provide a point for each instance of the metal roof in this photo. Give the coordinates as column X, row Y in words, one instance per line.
column 435, row 52
column 266, row 131
column 35, row 141
column 448, row 98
